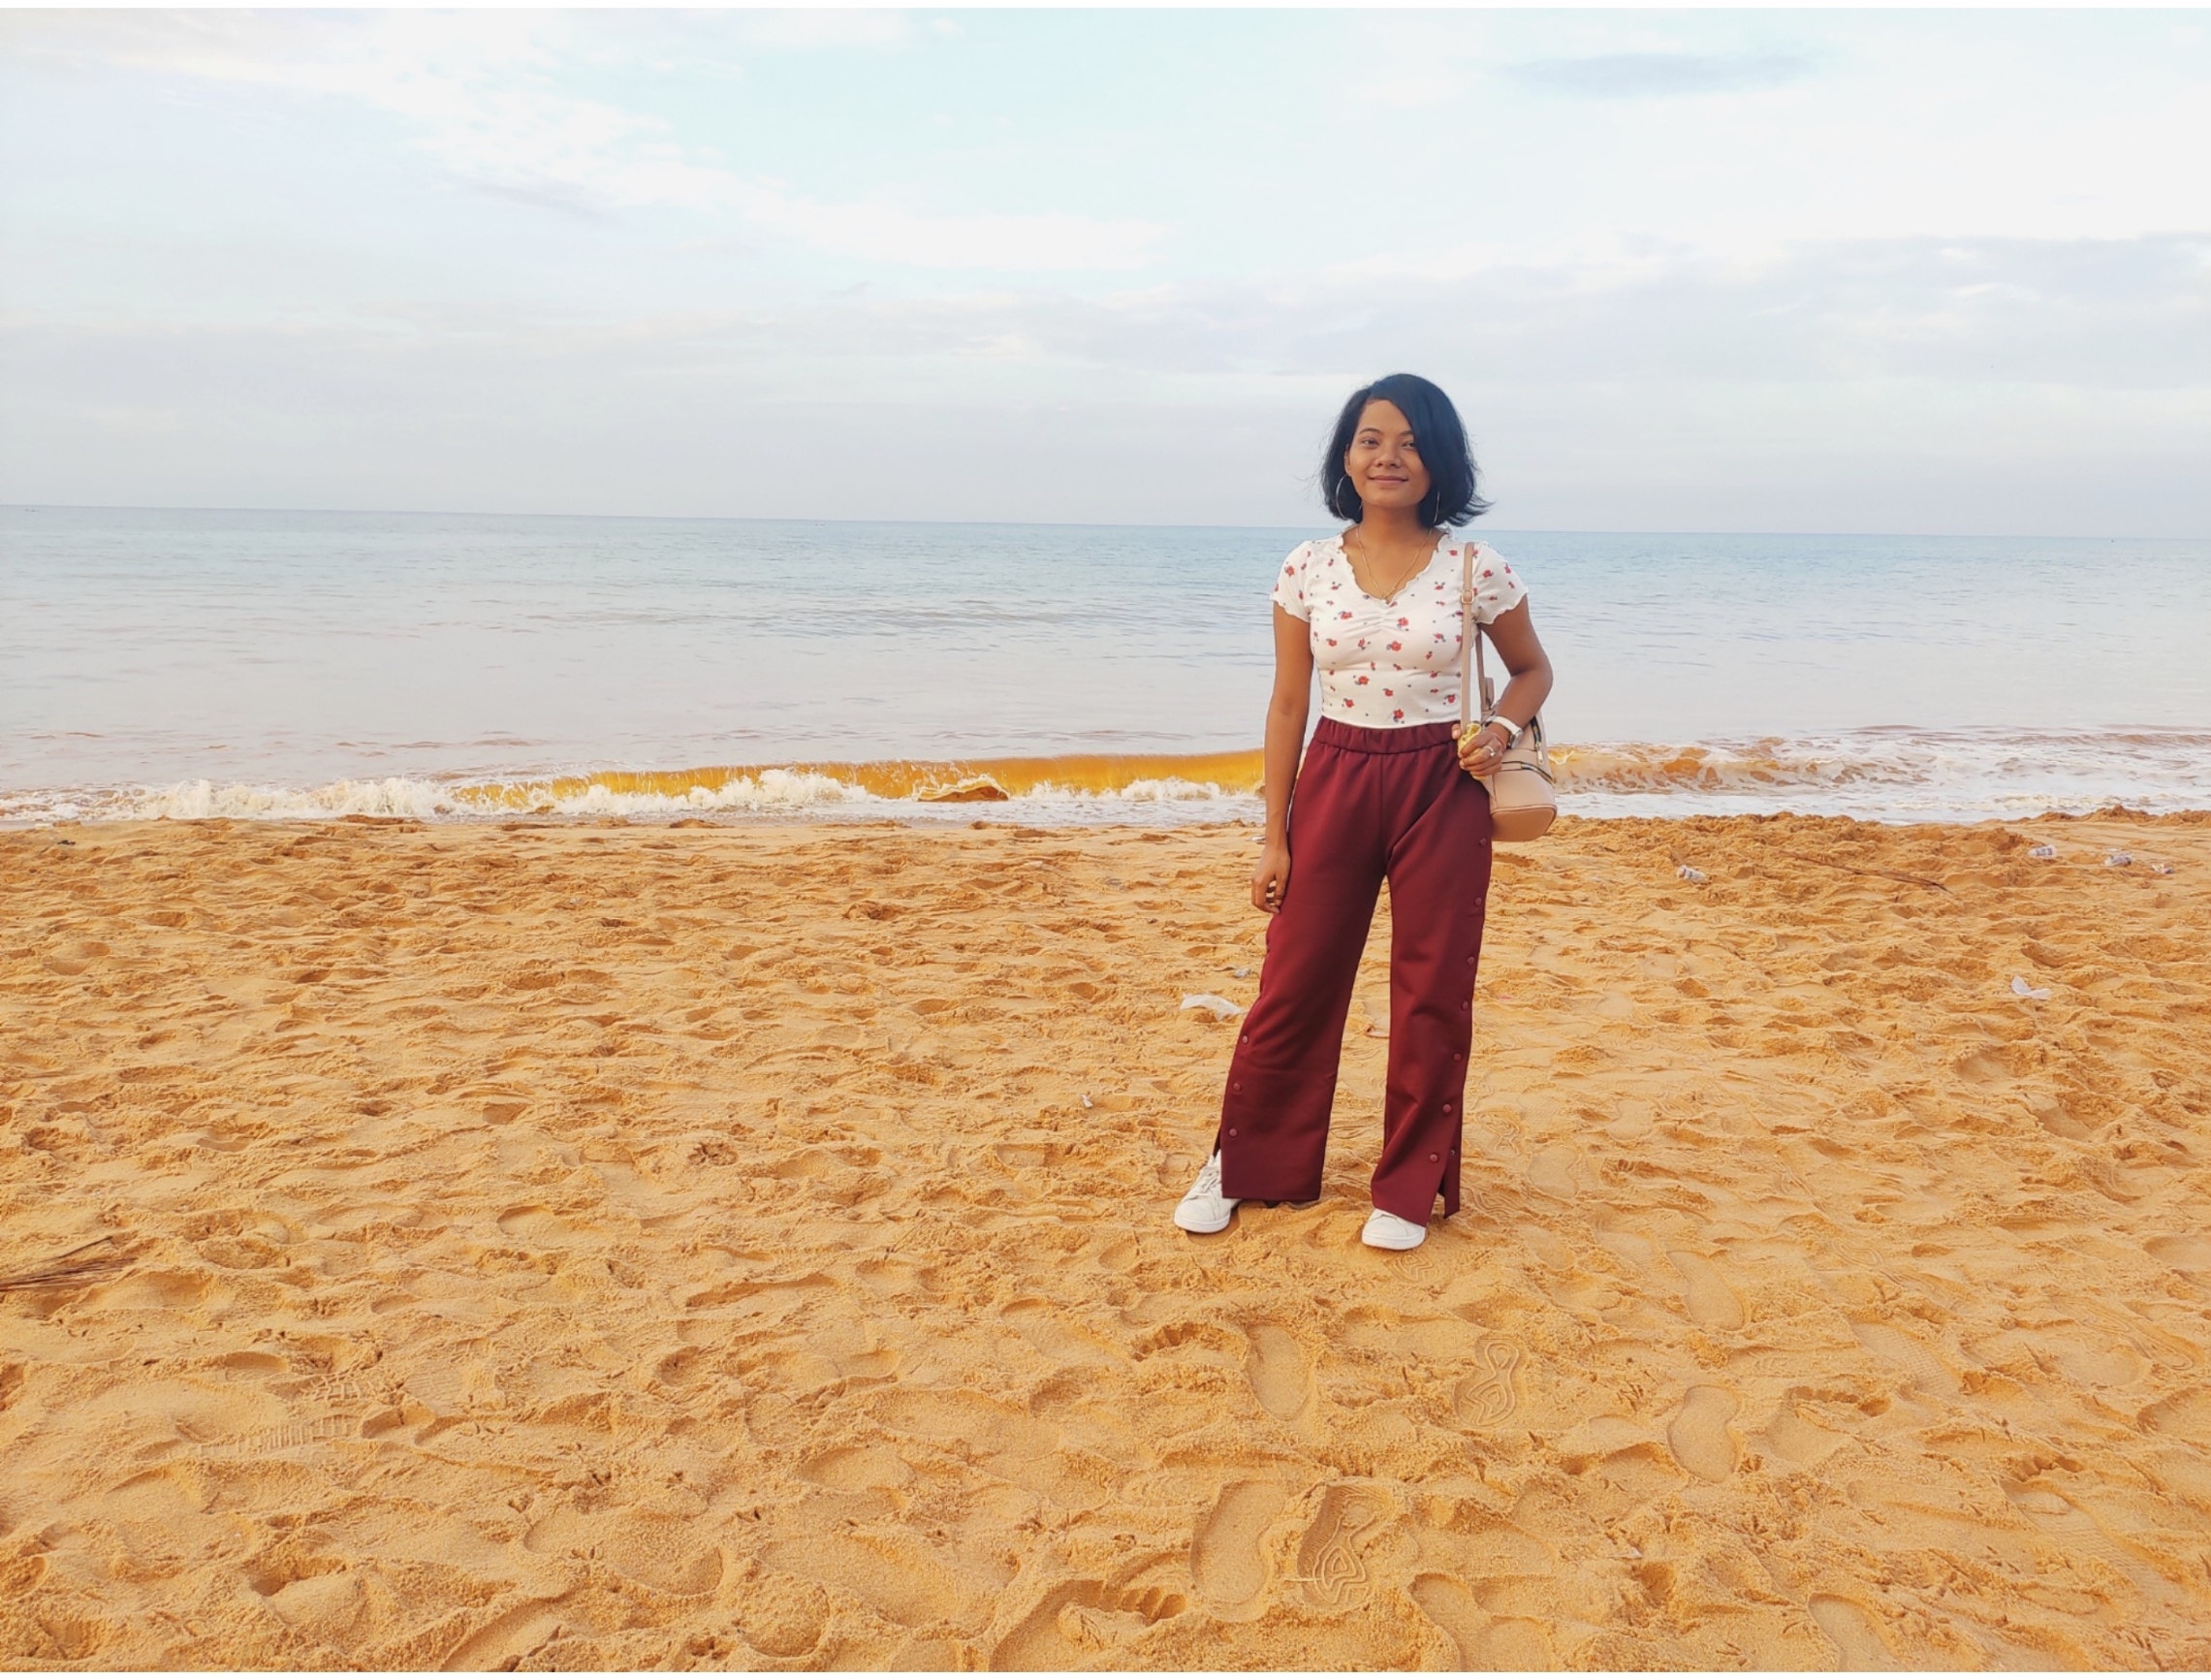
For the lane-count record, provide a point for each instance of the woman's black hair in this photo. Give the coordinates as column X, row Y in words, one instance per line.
column 1451, row 498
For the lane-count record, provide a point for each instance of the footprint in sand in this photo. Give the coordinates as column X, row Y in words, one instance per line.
column 2186, row 1254
column 1492, row 1394
column 853, row 1468
column 506, row 1637
column 1710, row 1301
column 1552, row 1172
column 1485, row 1641
column 662, row 1553
column 1451, row 1607
column 1077, row 1622
column 1799, row 1441
column 781, row 1615
column 1055, row 1333
column 1699, row 1435
column 1277, row 1370
column 1330, row 1561
column 329, row 1409
column 1856, row 1632
column 535, row 1224
column 894, row 1576
column 990, row 1429
column 1224, row 1555
column 1887, row 1341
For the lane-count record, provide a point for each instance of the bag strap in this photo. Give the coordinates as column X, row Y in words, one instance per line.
column 1472, row 668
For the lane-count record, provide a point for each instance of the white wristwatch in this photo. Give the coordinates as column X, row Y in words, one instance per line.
column 1512, row 729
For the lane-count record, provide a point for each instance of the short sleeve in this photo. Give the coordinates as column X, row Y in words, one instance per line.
column 1497, row 589
column 1290, row 582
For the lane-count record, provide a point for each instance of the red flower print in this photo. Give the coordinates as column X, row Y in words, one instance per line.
column 1389, row 694
column 1485, row 574
column 1332, row 641
column 1398, row 716
column 1404, row 624
column 1344, row 616
column 1346, row 705
column 1397, row 646
column 1360, row 681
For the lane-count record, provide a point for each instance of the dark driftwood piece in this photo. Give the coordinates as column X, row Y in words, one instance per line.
column 81, row 1264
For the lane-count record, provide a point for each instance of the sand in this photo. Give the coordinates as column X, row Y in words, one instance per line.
column 748, row 1246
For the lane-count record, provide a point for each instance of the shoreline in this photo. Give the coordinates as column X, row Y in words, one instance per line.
column 611, row 1244
column 1885, row 774
column 998, row 817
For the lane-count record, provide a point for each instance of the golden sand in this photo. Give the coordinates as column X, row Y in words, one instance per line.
column 581, row 1246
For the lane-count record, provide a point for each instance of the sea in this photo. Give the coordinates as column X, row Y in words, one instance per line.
column 188, row 664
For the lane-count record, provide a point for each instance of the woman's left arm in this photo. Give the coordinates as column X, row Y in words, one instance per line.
column 1513, row 636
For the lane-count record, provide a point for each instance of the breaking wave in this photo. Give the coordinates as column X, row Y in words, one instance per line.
column 1882, row 775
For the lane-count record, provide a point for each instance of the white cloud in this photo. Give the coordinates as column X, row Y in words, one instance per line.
column 2088, row 313
column 824, row 28
column 1661, row 74
column 888, row 233
column 478, row 92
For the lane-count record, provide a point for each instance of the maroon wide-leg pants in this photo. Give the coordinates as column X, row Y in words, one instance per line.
column 1370, row 804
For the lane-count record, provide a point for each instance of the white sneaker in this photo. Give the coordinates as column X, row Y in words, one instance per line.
column 1388, row 1231
column 1205, row 1210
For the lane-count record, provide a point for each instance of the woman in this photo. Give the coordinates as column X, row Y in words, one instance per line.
column 1386, row 791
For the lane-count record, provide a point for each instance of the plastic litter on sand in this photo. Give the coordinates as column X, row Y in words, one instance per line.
column 2045, row 852
column 1223, row 1010
column 1687, row 874
column 2020, row 989
column 2118, row 859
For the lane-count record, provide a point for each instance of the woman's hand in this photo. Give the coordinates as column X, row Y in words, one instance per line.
column 1481, row 750
column 1271, row 880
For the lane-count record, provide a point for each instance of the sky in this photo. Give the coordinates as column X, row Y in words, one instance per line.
column 1717, row 270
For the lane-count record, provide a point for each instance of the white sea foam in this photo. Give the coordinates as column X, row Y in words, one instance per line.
column 1893, row 775
column 1882, row 775
column 771, row 791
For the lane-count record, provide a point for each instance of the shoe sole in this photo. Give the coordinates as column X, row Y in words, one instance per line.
column 1420, row 1236
column 1204, row 1230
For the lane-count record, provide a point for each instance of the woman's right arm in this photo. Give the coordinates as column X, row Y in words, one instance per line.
column 1286, row 712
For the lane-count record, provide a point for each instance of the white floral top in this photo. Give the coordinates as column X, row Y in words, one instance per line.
column 1391, row 664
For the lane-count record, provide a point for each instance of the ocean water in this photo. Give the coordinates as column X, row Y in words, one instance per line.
column 159, row 662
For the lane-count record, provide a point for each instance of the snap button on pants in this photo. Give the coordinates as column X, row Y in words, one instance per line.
column 1370, row 805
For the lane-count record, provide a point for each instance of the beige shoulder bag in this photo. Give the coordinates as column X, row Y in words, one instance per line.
column 1522, row 798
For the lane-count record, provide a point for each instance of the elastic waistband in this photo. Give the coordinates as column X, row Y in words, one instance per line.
column 1350, row 737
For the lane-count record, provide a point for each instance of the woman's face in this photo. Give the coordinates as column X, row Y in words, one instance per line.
column 1383, row 463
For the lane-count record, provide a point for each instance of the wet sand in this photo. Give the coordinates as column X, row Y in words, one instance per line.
column 747, row 1247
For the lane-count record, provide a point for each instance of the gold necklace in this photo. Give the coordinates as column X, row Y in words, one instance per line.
column 1399, row 587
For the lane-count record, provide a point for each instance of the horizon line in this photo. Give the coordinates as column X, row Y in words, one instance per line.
column 1066, row 524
